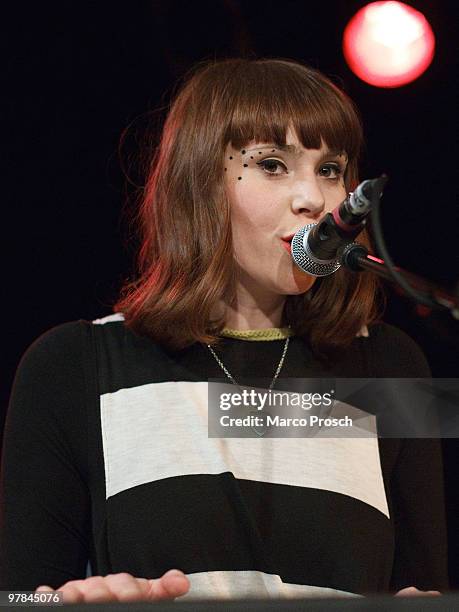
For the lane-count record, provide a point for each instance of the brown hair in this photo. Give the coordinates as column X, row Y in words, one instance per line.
column 185, row 260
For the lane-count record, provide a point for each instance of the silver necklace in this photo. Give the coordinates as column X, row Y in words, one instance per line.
column 276, row 374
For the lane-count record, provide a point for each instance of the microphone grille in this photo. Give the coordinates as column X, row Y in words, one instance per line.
column 304, row 258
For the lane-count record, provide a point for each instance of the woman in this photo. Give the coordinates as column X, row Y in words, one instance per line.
column 107, row 455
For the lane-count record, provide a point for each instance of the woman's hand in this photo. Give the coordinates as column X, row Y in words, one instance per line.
column 410, row 591
column 122, row 587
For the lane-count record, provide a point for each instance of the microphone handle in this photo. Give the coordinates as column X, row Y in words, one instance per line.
column 327, row 237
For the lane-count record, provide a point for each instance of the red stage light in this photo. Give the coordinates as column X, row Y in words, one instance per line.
column 388, row 44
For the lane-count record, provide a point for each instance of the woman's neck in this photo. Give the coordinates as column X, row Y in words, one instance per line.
column 239, row 320
column 249, row 314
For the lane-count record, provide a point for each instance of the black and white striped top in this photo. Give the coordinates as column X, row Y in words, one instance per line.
column 106, row 458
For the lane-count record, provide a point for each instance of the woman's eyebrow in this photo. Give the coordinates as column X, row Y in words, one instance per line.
column 334, row 153
column 273, row 147
column 294, row 150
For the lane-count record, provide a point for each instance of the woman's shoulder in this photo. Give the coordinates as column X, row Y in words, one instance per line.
column 388, row 336
column 68, row 341
column 394, row 353
column 50, row 379
column 70, row 331
column 80, row 343
column 61, row 339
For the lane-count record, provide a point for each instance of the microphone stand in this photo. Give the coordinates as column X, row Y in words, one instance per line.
column 356, row 257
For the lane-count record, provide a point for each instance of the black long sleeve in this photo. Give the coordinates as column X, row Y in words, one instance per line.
column 45, row 508
column 420, row 557
column 417, row 483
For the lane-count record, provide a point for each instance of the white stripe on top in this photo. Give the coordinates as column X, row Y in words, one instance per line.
column 251, row 583
column 160, row 430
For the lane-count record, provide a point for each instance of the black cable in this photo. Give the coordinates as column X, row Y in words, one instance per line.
column 375, row 219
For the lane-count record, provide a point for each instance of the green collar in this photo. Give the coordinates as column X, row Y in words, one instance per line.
column 272, row 333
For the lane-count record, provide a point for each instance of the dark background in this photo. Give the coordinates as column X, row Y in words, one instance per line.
column 78, row 73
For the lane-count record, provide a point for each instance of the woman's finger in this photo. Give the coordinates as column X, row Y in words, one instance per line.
column 44, row 588
column 172, row 584
column 414, row 592
column 123, row 587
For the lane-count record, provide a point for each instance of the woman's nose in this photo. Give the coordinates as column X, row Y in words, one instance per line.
column 309, row 199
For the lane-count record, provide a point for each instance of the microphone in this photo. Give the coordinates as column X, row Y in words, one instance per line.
column 316, row 247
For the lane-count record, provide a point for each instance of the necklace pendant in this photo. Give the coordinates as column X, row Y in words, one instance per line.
column 261, row 429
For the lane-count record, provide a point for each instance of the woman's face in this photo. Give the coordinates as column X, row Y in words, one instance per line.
column 272, row 194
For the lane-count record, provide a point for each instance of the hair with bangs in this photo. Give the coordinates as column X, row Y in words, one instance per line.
column 185, row 264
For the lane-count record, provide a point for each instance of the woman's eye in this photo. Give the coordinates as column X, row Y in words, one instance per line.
column 331, row 171
column 272, row 166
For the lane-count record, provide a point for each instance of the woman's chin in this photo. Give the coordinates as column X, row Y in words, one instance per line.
column 300, row 281
column 297, row 283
